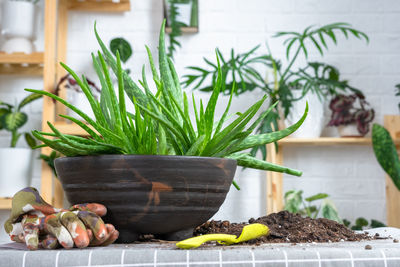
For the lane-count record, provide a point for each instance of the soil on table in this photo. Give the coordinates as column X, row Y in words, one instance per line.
column 286, row 227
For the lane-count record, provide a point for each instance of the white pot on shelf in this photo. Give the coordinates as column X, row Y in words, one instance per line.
column 15, row 170
column 349, row 130
column 18, row 19
column 314, row 124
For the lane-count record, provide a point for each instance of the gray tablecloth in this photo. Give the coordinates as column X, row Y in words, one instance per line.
column 383, row 253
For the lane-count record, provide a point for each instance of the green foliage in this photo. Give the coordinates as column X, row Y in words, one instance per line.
column 398, row 93
column 362, row 224
column 315, row 77
column 295, row 203
column 123, row 47
column 49, row 159
column 160, row 123
column 386, row 153
column 12, row 119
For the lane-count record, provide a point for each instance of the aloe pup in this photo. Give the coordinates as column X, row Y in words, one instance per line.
column 160, row 123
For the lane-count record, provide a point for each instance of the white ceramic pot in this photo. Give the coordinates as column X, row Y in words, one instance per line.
column 18, row 19
column 349, row 130
column 314, row 123
column 15, row 170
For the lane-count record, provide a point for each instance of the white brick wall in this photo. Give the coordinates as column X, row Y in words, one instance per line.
column 349, row 174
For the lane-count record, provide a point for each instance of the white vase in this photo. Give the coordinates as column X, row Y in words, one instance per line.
column 314, row 124
column 18, row 19
column 15, row 170
column 349, row 130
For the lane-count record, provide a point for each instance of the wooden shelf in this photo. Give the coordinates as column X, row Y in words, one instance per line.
column 100, row 5
column 184, row 29
column 329, row 141
column 5, row 203
column 21, row 63
column 67, row 128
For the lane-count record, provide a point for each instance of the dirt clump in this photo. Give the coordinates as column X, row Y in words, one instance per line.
column 286, row 227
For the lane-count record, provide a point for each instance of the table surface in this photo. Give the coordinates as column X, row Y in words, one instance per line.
column 384, row 253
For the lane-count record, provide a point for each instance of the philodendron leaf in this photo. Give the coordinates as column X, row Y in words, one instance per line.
column 30, row 98
column 123, row 47
column 293, row 200
column 317, row 197
column 386, row 153
column 329, row 211
column 15, row 120
column 30, row 140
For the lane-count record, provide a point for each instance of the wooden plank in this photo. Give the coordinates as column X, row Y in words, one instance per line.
column 49, row 75
column 326, row 141
column 5, row 203
column 184, row 29
column 68, row 128
column 34, row 58
column 274, row 181
column 62, row 36
column 392, row 124
column 18, row 69
column 100, row 6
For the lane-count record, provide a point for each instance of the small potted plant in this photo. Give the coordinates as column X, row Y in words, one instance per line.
column 351, row 114
column 156, row 171
column 18, row 20
column 15, row 162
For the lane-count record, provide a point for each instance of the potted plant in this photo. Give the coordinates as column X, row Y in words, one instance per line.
column 15, row 163
column 289, row 84
column 179, row 14
column 18, row 17
column 350, row 118
column 154, row 169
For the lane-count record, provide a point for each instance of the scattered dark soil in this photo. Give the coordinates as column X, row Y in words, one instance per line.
column 286, row 227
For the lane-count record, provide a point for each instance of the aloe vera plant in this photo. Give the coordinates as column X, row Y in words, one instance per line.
column 12, row 119
column 160, row 123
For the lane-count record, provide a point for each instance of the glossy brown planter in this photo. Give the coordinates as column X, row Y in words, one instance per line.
column 148, row 194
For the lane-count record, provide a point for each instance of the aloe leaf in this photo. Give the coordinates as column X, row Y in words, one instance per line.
column 86, row 128
column 248, row 161
column 196, row 147
column 262, row 139
column 131, row 88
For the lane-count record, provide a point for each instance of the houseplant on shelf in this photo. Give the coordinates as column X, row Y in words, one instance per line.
column 352, row 119
column 15, row 162
column 287, row 83
column 179, row 14
column 18, row 17
column 153, row 168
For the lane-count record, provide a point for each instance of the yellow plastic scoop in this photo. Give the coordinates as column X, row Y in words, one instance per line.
column 249, row 232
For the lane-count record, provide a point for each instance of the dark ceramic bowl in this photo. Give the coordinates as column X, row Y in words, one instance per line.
column 147, row 194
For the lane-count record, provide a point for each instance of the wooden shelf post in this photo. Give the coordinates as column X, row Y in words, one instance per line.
column 392, row 124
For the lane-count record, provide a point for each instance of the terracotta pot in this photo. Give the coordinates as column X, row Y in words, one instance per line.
column 147, row 194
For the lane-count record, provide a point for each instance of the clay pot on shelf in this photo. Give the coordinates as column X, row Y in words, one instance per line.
column 18, row 19
column 147, row 194
column 15, row 170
